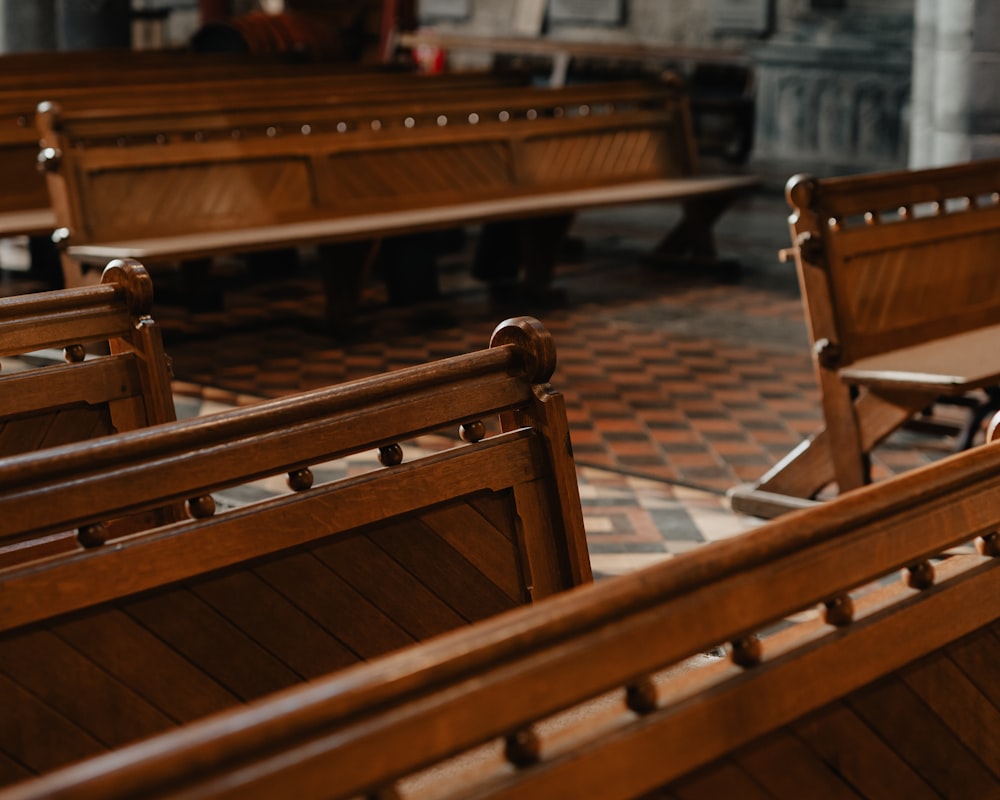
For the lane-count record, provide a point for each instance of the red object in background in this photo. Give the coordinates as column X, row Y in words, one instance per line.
column 430, row 60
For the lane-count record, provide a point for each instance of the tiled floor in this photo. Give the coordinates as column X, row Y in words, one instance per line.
column 678, row 384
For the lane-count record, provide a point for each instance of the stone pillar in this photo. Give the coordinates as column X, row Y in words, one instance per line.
column 95, row 24
column 956, row 99
column 27, row 26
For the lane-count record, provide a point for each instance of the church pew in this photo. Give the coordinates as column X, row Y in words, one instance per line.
column 131, row 635
column 902, row 304
column 116, row 376
column 289, row 176
column 840, row 679
column 24, row 200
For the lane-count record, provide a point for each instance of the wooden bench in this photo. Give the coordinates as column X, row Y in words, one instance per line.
column 187, row 186
column 116, row 376
column 132, row 635
column 902, row 305
column 876, row 688
column 24, row 200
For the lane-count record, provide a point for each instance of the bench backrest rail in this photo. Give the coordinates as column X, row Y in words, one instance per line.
column 270, row 167
column 365, row 729
column 894, row 259
column 116, row 376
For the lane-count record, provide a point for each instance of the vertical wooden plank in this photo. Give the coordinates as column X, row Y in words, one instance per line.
column 542, row 558
column 122, row 647
column 851, row 749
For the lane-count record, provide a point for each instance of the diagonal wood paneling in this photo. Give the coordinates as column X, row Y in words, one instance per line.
column 197, row 197
column 926, row 731
column 23, row 434
column 597, row 157
column 388, row 179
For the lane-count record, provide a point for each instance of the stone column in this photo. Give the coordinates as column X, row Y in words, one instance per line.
column 956, row 97
column 95, row 24
column 27, row 26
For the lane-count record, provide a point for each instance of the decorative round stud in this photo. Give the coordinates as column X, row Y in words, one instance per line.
column 300, row 479
column 390, row 455
column 92, row 535
column 522, row 749
column 306, row 130
column 473, row 118
column 201, row 507
column 919, row 575
column 472, row 432
column 641, row 696
column 839, row 611
column 75, row 353
column 409, row 122
column 989, row 545
column 747, row 652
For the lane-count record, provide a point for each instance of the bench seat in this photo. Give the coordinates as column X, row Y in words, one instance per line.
column 365, row 226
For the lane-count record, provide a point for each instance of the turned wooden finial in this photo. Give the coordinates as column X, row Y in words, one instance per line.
column 919, row 575
column 532, row 341
column 839, row 611
column 132, row 276
column 523, row 748
column 747, row 651
column 993, row 429
column 300, row 479
column 800, row 191
column 989, row 545
column 92, row 535
column 74, row 353
column 641, row 696
column 472, row 432
column 390, row 455
column 201, row 507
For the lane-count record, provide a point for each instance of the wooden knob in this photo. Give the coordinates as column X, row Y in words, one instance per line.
column 92, row 535
column 989, row 545
column 390, row 455
column 919, row 575
column 201, row 507
column 641, row 696
column 839, row 611
column 472, row 431
column 523, row 748
column 300, row 479
column 747, row 652
column 75, row 353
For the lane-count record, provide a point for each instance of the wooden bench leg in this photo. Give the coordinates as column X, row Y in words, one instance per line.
column 692, row 238
column 343, row 267
column 802, row 474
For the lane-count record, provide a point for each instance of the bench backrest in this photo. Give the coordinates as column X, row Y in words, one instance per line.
column 894, row 259
column 117, row 178
column 243, row 88
column 225, row 607
column 116, row 378
column 599, row 692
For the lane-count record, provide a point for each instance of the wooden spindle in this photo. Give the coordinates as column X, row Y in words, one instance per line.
column 523, row 748
column 747, row 651
column 300, row 479
column 919, row 575
column 201, row 507
column 75, row 353
column 92, row 535
column 390, row 455
column 989, row 545
column 839, row 611
column 472, row 432
column 641, row 696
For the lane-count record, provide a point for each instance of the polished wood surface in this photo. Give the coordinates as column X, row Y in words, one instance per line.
column 131, row 635
column 116, row 376
column 902, row 306
column 187, row 184
column 602, row 691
